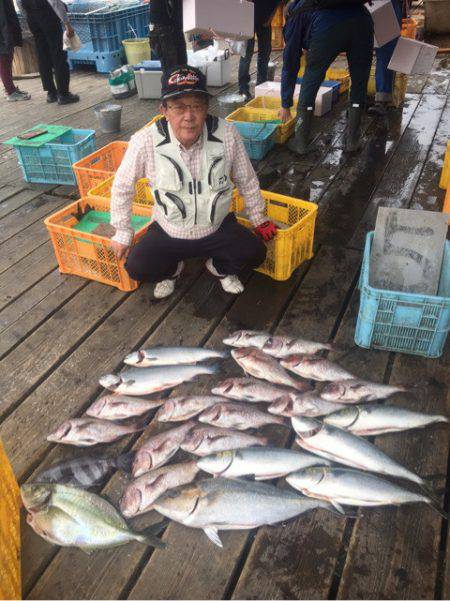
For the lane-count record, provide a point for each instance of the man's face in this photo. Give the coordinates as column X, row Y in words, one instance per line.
column 186, row 115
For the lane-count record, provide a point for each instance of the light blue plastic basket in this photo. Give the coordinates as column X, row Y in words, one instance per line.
column 416, row 324
column 258, row 137
column 52, row 162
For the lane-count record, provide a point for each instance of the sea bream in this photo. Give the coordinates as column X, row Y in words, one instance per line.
column 358, row 391
column 209, row 439
column 142, row 492
column 178, row 355
column 380, row 419
column 258, row 364
column 117, row 406
column 177, row 409
column 344, row 447
column 283, row 346
column 311, row 367
column 309, row 404
column 85, row 471
column 72, row 517
column 147, row 380
column 353, row 487
column 89, row 431
column 238, row 415
column 254, row 390
column 221, row 504
column 246, row 338
column 262, row 463
column 158, row 449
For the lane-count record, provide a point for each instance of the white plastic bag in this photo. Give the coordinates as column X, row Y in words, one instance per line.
column 238, row 46
column 73, row 43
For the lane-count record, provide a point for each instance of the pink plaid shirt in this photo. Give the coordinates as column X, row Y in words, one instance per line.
column 139, row 161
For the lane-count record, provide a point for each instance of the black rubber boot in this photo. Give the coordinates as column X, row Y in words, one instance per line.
column 353, row 134
column 379, row 109
column 300, row 143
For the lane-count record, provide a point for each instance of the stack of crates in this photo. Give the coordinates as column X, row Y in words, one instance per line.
column 251, row 113
column 99, row 166
column 143, row 193
column 277, row 29
column 102, row 29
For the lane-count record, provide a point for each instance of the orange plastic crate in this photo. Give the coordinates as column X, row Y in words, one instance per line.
column 90, row 255
column 278, row 17
column 143, row 195
column 446, row 207
column 157, row 118
column 409, row 28
column 277, row 38
column 99, row 165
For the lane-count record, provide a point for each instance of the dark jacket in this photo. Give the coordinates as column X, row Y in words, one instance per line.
column 10, row 32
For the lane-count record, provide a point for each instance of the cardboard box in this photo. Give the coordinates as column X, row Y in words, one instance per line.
column 324, row 99
column 386, row 26
column 413, row 57
column 232, row 19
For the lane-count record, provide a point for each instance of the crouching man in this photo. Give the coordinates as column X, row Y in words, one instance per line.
column 191, row 160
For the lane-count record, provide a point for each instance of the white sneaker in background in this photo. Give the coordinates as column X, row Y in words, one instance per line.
column 18, row 95
column 230, row 283
column 165, row 288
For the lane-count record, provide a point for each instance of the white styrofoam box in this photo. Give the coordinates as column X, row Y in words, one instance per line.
column 148, row 83
column 412, row 57
column 324, row 98
column 218, row 72
column 232, row 19
column 386, row 26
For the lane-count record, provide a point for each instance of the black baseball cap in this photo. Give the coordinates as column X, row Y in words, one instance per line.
column 183, row 80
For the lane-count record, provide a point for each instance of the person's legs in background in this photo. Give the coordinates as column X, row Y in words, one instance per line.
column 43, row 55
column 11, row 91
column 244, row 68
column 264, row 34
column 359, row 56
column 169, row 45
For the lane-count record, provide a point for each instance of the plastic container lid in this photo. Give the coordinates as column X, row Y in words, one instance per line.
column 92, row 219
column 148, row 66
column 53, row 132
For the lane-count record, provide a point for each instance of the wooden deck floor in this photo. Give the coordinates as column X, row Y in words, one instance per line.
column 60, row 333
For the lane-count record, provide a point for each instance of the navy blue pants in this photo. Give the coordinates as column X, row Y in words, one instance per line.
column 384, row 77
column 264, row 35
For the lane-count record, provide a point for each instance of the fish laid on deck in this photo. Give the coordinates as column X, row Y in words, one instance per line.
column 237, row 415
column 177, row 355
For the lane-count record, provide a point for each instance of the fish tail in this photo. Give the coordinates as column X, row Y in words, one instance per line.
column 149, row 536
column 223, row 354
column 125, row 461
column 212, row 369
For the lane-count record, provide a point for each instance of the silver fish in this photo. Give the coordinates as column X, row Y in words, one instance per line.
column 177, row 355
column 222, row 504
column 179, row 408
column 141, row 493
column 140, row 381
column 117, row 406
column 237, row 415
column 246, row 338
column 84, row 472
column 263, row 463
column 283, row 346
column 309, row 404
column 315, row 368
column 380, row 419
column 347, row 448
column 358, row 391
column 88, row 431
column 209, row 439
column 158, row 449
column 352, row 487
column 254, row 390
column 72, row 517
column 259, row 365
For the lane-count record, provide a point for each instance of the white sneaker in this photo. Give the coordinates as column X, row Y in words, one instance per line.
column 230, row 283
column 166, row 287
column 18, row 95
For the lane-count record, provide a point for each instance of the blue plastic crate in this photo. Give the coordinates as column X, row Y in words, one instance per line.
column 105, row 28
column 258, row 137
column 104, row 62
column 417, row 324
column 52, row 163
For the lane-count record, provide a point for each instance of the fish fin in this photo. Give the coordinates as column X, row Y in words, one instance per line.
column 338, row 507
column 437, row 508
column 88, row 550
column 213, row 535
column 149, row 536
column 124, row 462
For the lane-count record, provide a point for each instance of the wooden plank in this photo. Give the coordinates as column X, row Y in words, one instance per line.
column 393, row 552
column 25, row 273
column 31, row 361
column 16, row 198
column 21, row 244
column 30, row 310
column 438, row 80
column 400, row 178
column 29, row 213
column 6, row 191
column 345, row 200
column 202, row 570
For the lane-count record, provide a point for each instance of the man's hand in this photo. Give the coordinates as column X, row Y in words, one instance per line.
column 120, row 250
column 70, row 30
column 285, row 115
column 266, row 230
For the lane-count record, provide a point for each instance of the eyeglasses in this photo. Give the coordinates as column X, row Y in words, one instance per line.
column 181, row 109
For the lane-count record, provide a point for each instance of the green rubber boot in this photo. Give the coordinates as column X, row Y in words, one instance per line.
column 300, row 143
